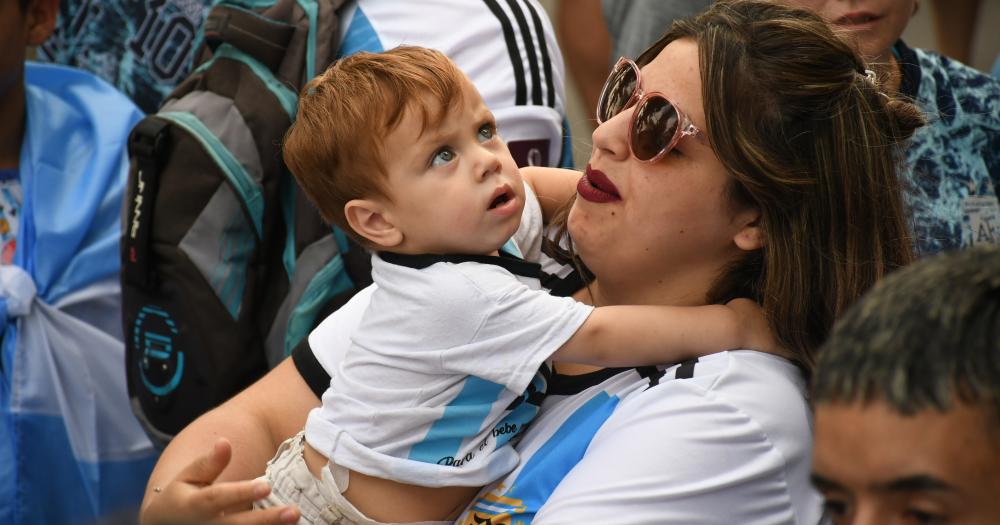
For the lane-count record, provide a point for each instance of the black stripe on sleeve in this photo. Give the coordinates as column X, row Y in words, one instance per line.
column 309, row 368
column 529, row 48
column 521, row 97
column 544, row 48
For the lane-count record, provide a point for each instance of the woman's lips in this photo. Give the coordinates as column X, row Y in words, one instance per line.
column 594, row 186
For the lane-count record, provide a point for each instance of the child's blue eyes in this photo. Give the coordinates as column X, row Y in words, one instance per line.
column 447, row 154
column 487, row 132
column 442, row 157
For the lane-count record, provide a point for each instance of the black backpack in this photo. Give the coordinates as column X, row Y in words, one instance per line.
column 225, row 264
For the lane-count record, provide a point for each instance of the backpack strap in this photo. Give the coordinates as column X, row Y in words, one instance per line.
column 148, row 145
column 262, row 38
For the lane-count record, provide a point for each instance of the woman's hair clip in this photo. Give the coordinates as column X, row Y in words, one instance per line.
column 871, row 77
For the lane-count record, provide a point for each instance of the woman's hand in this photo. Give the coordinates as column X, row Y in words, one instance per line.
column 194, row 497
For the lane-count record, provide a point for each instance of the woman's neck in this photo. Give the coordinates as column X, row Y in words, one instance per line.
column 692, row 290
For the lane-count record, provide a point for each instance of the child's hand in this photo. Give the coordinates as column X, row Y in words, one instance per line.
column 755, row 330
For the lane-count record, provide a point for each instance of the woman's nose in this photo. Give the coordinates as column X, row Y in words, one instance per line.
column 611, row 137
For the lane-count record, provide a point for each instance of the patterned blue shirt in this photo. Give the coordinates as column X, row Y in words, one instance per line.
column 953, row 174
column 142, row 47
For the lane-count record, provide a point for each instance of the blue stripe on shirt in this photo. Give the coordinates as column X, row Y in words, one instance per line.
column 462, row 418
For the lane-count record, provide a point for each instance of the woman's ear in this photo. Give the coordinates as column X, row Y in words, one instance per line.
column 41, row 20
column 369, row 219
column 749, row 237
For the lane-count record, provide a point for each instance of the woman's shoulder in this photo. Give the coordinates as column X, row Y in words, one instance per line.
column 759, row 395
column 727, row 437
column 731, row 373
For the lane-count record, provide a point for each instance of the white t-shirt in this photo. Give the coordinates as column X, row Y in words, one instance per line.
column 507, row 48
column 443, row 369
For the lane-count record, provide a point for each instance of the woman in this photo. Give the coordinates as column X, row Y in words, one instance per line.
column 779, row 185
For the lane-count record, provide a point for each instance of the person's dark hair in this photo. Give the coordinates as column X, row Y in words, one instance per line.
column 812, row 143
column 924, row 338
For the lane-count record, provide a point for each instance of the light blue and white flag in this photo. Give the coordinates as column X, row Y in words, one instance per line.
column 70, row 449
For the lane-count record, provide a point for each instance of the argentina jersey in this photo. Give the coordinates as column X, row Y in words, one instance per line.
column 574, row 410
column 445, row 367
column 142, row 47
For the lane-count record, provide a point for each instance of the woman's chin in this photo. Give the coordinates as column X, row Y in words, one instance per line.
column 584, row 231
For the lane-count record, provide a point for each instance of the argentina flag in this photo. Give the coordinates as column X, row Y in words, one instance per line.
column 70, row 449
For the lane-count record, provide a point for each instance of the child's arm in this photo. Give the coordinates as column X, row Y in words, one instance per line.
column 616, row 336
column 553, row 186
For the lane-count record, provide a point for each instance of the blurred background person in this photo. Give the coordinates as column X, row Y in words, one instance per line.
column 70, row 450
column 953, row 175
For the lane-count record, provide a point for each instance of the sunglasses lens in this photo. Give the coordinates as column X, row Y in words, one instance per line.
column 654, row 125
column 618, row 90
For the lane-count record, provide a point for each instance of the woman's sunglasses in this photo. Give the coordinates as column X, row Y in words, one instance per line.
column 657, row 125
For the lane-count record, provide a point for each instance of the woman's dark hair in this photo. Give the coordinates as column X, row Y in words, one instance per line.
column 812, row 143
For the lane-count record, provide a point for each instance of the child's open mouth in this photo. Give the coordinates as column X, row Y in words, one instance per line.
column 503, row 202
column 503, row 197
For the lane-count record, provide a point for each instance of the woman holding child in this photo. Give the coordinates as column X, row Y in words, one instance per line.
column 746, row 154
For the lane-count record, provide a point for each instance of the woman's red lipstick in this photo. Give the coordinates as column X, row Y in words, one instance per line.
column 594, row 186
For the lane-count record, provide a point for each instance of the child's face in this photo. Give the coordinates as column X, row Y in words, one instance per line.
column 876, row 24
column 454, row 188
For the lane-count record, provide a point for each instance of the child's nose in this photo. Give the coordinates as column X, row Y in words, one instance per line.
column 488, row 163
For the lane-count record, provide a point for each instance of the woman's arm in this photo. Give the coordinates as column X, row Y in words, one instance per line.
column 190, row 473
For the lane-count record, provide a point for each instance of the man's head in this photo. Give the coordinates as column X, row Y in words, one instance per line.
column 907, row 398
column 399, row 149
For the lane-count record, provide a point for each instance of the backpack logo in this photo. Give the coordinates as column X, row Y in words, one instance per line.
column 136, row 209
column 162, row 365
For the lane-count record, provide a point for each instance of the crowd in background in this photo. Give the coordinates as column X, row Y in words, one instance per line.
column 901, row 394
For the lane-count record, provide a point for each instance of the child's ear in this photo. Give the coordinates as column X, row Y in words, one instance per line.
column 369, row 219
column 41, row 20
column 750, row 237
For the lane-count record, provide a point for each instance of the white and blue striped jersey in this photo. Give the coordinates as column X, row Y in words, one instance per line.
column 442, row 369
